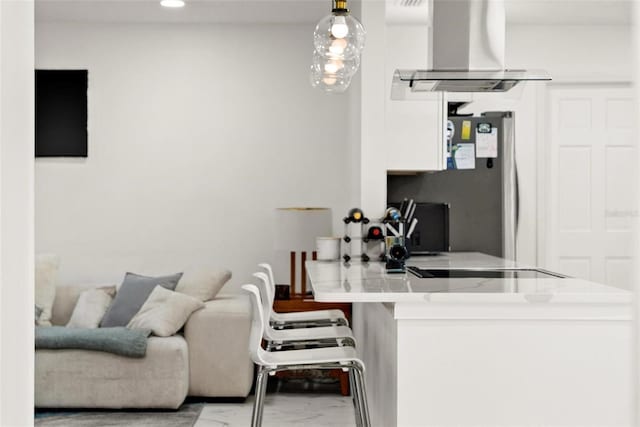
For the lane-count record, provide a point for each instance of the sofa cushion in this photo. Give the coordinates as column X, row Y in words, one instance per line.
column 94, row 379
column 203, row 284
column 66, row 299
column 45, row 276
column 131, row 296
column 218, row 339
column 165, row 312
column 91, row 307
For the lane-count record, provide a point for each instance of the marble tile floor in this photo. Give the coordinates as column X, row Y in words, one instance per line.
column 283, row 409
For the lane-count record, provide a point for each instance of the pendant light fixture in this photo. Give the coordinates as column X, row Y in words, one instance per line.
column 338, row 42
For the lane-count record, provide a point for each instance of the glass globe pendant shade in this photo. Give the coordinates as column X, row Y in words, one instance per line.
column 335, row 83
column 335, row 65
column 339, row 34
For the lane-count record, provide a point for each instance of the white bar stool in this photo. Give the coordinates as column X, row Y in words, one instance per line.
column 317, row 358
column 340, row 335
column 303, row 318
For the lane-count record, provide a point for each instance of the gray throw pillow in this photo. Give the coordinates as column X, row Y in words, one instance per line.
column 132, row 295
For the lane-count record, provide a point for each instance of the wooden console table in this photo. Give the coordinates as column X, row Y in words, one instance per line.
column 299, row 303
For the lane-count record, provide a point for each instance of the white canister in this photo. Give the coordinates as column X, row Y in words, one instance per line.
column 328, row 248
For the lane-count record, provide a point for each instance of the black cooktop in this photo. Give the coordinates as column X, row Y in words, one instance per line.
column 483, row 274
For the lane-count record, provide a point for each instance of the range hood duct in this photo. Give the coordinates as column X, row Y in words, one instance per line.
column 468, row 43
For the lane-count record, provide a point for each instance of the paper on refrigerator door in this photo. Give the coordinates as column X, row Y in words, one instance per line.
column 464, row 156
column 487, row 144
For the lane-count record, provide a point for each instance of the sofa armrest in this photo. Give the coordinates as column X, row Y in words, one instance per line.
column 218, row 340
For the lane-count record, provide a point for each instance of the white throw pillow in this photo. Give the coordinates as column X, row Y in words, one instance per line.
column 46, row 273
column 203, row 284
column 165, row 312
column 90, row 309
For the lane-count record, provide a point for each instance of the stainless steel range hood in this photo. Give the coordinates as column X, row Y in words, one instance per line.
column 467, row 53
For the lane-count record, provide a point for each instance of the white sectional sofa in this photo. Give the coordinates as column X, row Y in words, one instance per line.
column 209, row 359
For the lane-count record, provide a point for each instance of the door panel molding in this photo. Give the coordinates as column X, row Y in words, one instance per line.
column 586, row 180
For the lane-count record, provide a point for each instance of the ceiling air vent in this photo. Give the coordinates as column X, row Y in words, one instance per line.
column 409, row 3
column 412, row 12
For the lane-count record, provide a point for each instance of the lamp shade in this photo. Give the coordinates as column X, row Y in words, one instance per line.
column 297, row 228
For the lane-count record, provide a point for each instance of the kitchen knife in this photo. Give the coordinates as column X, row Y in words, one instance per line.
column 403, row 207
column 411, row 212
column 412, row 227
column 409, row 207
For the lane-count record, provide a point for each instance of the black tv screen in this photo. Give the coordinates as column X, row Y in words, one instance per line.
column 61, row 113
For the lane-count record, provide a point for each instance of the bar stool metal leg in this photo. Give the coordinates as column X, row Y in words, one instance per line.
column 261, row 389
column 355, row 394
column 364, row 406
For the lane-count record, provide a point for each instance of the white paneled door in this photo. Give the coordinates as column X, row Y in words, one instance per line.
column 591, row 183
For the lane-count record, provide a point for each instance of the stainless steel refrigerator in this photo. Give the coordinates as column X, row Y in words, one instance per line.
column 482, row 194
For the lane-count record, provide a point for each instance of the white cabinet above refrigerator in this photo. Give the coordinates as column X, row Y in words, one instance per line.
column 416, row 133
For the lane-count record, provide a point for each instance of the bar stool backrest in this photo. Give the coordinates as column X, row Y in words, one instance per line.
column 272, row 280
column 257, row 325
column 266, row 296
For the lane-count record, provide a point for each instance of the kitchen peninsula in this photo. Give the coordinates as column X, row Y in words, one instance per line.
column 508, row 346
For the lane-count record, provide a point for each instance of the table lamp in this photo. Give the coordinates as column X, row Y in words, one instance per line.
column 296, row 230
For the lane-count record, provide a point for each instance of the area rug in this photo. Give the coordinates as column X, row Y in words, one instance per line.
column 186, row 416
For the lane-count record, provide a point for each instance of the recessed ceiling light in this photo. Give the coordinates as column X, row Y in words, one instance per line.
column 172, row 3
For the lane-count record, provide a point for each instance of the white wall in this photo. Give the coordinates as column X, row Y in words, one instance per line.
column 16, row 213
column 196, row 134
column 572, row 53
column 635, row 45
column 373, row 160
column 354, row 126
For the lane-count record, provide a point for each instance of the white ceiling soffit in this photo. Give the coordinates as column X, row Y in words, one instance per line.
column 195, row 11
column 552, row 12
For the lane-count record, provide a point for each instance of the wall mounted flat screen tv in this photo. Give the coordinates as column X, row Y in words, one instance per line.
column 61, row 113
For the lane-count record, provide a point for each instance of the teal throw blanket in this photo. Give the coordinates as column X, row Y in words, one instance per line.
column 119, row 340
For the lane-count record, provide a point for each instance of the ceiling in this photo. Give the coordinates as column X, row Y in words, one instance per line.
column 579, row 12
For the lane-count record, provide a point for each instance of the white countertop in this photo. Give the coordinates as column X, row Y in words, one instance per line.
column 369, row 282
column 466, row 260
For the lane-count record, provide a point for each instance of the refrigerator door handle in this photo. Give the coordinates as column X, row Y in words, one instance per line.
column 511, row 196
column 515, row 168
